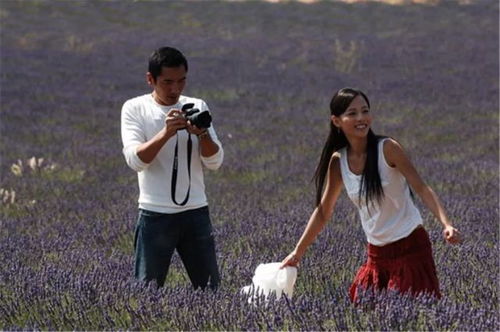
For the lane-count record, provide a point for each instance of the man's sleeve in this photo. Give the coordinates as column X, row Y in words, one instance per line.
column 132, row 136
column 215, row 161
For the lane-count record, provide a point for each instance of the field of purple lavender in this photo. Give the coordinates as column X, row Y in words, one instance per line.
column 267, row 71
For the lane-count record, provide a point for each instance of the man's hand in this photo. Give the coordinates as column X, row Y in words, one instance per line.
column 147, row 151
column 174, row 121
column 192, row 129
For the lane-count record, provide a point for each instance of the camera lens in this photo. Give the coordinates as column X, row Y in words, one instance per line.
column 201, row 120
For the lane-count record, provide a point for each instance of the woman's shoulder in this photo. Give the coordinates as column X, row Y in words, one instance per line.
column 390, row 143
column 392, row 150
column 335, row 160
column 335, row 166
column 336, row 156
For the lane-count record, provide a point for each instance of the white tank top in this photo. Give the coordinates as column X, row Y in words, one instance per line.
column 396, row 216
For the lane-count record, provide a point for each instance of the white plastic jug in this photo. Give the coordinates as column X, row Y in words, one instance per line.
column 270, row 278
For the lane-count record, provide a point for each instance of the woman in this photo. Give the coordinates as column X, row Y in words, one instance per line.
column 377, row 176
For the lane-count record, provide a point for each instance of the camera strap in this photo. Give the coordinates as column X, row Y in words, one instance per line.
column 175, row 167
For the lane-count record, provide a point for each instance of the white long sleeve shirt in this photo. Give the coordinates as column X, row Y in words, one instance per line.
column 141, row 119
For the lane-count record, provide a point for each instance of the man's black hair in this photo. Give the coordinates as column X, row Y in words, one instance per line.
column 165, row 57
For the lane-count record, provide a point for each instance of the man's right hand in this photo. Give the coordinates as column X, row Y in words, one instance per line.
column 148, row 150
column 174, row 121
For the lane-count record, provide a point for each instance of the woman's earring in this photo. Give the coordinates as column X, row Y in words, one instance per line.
column 338, row 130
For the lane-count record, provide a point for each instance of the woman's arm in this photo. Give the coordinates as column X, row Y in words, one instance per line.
column 396, row 157
column 320, row 215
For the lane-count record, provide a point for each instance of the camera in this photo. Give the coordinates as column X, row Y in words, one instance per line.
column 200, row 119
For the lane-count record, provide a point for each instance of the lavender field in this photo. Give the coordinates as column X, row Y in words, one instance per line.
column 267, row 71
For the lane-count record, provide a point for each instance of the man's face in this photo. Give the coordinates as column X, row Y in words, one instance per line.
column 168, row 85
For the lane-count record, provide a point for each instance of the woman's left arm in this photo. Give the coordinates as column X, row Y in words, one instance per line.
column 396, row 157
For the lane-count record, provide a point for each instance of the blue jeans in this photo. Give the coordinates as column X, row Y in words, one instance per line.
column 157, row 235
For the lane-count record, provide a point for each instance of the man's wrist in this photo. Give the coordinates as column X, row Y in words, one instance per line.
column 166, row 135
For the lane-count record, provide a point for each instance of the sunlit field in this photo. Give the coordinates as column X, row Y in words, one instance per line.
column 267, row 71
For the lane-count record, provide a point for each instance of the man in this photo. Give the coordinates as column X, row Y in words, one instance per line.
column 168, row 152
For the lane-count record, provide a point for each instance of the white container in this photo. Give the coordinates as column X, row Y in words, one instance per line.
column 269, row 278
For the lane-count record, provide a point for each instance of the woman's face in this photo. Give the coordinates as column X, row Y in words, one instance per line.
column 356, row 120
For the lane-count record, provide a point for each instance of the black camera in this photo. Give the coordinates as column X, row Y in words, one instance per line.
column 200, row 119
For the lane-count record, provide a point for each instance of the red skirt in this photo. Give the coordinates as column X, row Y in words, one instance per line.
column 405, row 265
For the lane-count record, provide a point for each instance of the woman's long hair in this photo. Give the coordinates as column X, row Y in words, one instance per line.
column 371, row 185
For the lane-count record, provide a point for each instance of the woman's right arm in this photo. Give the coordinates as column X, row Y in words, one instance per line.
column 321, row 213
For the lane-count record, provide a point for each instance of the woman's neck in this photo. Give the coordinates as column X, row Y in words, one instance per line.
column 357, row 146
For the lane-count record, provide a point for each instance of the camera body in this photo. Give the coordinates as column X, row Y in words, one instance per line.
column 200, row 119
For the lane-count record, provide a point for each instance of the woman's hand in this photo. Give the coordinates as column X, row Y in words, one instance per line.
column 451, row 235
column 291, row 260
